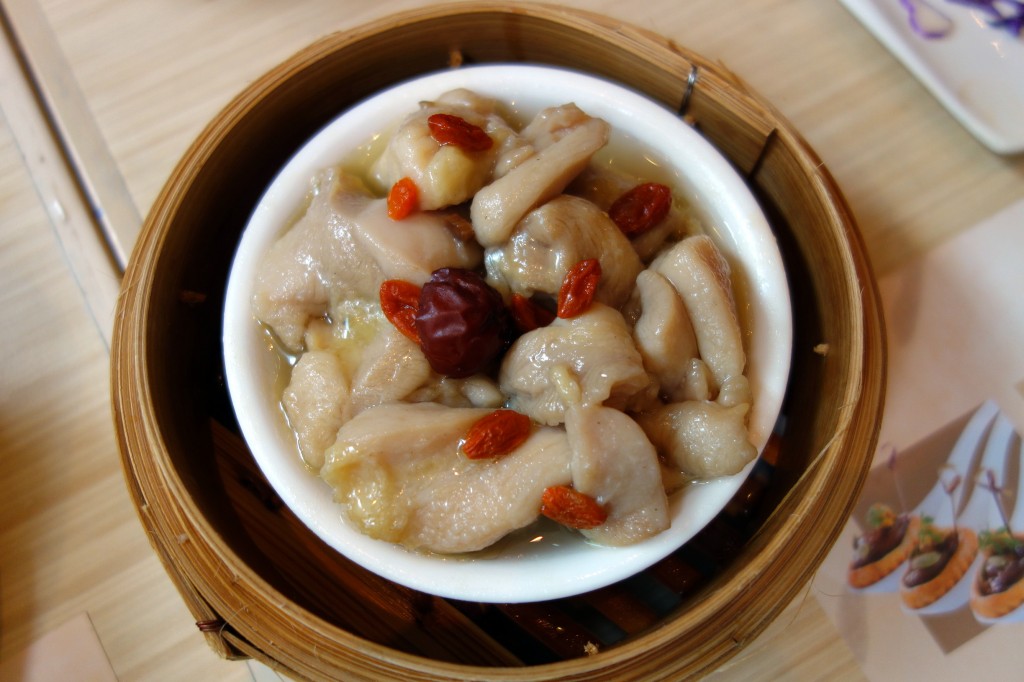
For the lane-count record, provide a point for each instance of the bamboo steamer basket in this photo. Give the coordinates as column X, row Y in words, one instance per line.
column 261, row 585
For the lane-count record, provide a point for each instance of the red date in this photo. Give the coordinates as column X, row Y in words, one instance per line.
column 462, row 322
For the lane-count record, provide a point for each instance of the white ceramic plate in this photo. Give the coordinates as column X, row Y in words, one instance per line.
column 547, row 562
column 976, row 71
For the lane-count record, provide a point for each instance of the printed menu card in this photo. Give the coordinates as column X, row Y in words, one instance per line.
column 927, row 579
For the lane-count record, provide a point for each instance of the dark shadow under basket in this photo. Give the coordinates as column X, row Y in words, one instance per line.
column 262, row 585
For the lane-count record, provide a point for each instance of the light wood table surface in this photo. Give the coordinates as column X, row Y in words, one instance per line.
column 126, row 86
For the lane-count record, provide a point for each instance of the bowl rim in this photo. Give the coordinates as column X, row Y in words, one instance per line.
column 503, row 580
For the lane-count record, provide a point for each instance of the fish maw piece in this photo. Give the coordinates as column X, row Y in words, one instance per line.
column 316, row 263
column 413, row 248
column 588, row 360
column 317, row 403
column 554, row 237
column 444, row 174
column 664, row 335
column 699, row 272
column 498, row 207
column 615, row 463
column 398, row 471
column 392, row 367
column 703, row 438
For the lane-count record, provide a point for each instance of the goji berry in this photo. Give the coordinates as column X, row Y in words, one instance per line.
column 496, row 434
column 571, row 508
column 399, row 301
column 452, row 129
column 403, row 198
column 641, row 208
column 578, row 288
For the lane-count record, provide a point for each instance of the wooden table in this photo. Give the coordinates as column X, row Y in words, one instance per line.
column 102, row 97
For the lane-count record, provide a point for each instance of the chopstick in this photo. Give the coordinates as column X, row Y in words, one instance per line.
column 78, row 182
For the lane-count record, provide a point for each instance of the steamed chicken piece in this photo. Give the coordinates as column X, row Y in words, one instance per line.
column 699, row 272
column 413, row 248
column 552, row 124
column 498, row 207
column 314, row 263
column 615, row 463
column 444, row 174
column 702, row 437
column 546, row 128
column 317, row 403
column 399, row 473
column 381, row 365
column 357, row 362
column 341, row 249
column 391, row 368
column 665, row 338
column 603, row 186
column 342, row 374
column 586, row 360
column 554, row 237
column 705, row 437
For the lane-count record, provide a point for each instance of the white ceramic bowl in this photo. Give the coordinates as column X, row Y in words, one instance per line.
column 549, row 563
